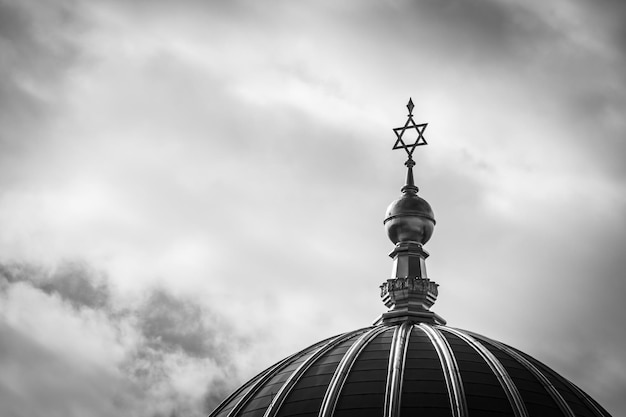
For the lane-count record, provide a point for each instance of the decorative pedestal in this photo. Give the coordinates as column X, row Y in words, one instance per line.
column 409, row 294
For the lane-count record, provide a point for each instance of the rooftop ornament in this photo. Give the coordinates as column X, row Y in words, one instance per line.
column 409, row 362
column 410, row 148
column 409, row 223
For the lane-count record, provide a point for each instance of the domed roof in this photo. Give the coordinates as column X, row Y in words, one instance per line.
column 409, row 363
column 409, row 369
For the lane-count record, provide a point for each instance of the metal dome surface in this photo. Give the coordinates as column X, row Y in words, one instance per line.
column 409, row 363
column 409, row 369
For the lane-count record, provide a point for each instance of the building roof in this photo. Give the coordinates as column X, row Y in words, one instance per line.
column 409, row 363
column 409, row 369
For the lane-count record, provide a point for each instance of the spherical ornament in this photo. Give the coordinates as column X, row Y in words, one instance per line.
column 409, row 218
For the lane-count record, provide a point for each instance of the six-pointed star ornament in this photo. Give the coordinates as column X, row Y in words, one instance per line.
column 408, row 126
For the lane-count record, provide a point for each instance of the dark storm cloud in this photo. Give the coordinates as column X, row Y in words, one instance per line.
column 37, row 382
column 483, row 29
column 607, row 17
column 161, row 339
column 170, row 322
column 596, row 84
column 73, row 281
column 37, row 49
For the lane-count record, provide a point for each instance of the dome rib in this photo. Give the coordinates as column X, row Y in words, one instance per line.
column 341, row 373
column 249, row 389
column 596, row 407
column 548, row 386
column 451, row 371
column 497, row 368
column 264, row 377
column 286, row 388
column 262, row 381
column 582, row 397
column 397, row 356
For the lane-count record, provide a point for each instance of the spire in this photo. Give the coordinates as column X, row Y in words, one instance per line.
column 414, row 130
column 410, row 181
column 409, row 222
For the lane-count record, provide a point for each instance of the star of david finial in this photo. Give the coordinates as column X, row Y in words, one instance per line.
column 410, row 126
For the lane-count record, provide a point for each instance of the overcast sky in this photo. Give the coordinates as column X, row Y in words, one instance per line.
column 192, row 190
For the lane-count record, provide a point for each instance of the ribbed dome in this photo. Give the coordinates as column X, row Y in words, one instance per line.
column 409, row 364
column 409, row 369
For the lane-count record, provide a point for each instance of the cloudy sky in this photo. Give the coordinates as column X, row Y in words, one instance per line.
column 192, row 190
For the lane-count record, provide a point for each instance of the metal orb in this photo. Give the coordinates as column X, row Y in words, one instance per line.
column 409, row 218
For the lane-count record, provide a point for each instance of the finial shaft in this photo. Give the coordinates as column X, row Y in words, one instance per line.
column 410, row 181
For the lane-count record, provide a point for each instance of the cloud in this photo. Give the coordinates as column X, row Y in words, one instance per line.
column 36, row 57
column 171, row 323
column 240, row 153
column 38, row 382
column 73, row 281
column 71, row 348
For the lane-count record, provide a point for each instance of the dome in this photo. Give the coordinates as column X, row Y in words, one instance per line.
column 410, row 363
column 409, row 369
